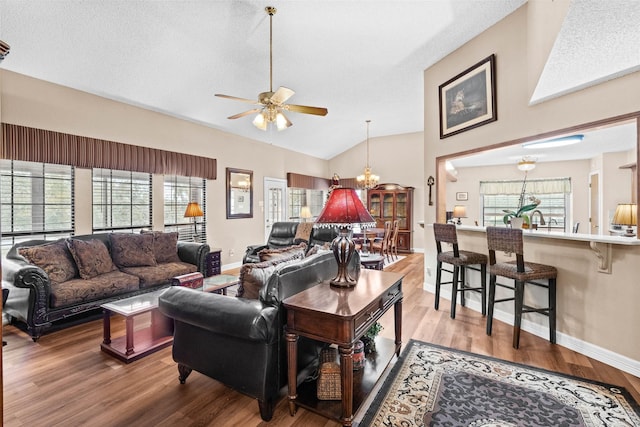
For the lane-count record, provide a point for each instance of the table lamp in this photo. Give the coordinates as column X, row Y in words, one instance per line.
column 344, row 209
column 305, row 213
column 459, row 211
column 193, row 211
column 626, row 214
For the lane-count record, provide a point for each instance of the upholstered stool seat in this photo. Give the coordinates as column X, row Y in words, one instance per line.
column 509, row 240
column 461, row 260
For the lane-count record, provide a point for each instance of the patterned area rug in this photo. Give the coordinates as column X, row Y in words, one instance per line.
column 437, row 386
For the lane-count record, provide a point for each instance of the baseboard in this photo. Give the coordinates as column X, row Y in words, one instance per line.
column 231, row 266
column 593, row 351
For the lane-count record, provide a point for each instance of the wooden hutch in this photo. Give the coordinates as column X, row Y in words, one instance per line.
column 388, row 202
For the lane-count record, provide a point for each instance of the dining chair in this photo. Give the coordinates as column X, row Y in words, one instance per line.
column 381, row 244
column 509, row 240
column 393, row 239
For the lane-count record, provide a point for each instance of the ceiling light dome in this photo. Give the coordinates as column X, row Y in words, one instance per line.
column 526, row 164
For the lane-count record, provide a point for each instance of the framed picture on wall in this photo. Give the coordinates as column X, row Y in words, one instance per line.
column 462, row 196
column 468, row 100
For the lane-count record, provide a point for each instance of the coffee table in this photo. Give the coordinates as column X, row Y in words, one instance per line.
column 141, row 342
column 219, row 283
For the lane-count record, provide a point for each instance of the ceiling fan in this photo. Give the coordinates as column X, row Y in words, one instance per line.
column 271, row 105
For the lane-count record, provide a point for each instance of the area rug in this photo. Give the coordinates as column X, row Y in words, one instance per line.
column 437, row 386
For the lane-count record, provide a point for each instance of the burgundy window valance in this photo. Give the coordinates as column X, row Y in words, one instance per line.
column 45, row 146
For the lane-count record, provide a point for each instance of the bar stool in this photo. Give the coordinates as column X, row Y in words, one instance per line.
column 510, row 240
column 461, row 261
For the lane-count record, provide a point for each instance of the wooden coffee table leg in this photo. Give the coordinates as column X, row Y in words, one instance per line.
column 129, row 335
column 106, row 325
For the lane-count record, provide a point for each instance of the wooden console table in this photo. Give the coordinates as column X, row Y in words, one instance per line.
column 341, row 316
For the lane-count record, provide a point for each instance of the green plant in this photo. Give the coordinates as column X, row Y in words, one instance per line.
column 520, row 213
column 373, row 331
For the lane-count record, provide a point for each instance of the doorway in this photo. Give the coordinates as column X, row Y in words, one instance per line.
column 275, row 203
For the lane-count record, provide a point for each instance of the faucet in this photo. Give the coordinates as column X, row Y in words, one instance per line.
column 542, row 222
column 551, row 221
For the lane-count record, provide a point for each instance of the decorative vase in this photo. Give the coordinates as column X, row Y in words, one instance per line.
column 517, row 222
column 358, row 355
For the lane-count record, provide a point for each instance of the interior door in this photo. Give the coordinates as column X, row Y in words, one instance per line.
column 275, row 205
column 594, row 203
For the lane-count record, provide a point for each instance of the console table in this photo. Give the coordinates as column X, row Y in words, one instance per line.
column 341, row 316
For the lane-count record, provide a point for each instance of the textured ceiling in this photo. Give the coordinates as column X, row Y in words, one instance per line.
column 360, row 59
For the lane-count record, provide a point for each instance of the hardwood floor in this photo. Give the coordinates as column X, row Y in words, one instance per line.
column 64, row 378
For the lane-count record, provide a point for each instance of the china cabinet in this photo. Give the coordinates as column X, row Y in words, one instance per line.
column 389, row 202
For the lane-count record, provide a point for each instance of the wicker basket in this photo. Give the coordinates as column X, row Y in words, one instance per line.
column 329, row 379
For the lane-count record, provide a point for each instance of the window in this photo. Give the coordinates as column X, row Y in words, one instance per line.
column 299, row 197
column 36, row 200
column 554, row 196
column 121, row 200
column 178, row 192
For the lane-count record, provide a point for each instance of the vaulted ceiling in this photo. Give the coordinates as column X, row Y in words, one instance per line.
column 360, row 59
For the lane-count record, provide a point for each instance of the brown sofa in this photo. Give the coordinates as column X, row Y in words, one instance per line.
column 53, row 281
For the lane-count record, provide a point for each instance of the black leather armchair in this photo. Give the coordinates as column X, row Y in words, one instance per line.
column 240, row 342
column 283, row 234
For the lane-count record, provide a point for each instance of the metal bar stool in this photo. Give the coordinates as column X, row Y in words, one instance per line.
column 509, row 240
column 461, row 261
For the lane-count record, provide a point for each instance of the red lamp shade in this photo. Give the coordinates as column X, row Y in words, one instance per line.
column 344, row 209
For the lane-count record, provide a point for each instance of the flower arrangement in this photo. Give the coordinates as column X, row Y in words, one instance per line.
column 521, row 211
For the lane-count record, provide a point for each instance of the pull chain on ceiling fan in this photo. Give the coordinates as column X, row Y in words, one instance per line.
column 272, row 104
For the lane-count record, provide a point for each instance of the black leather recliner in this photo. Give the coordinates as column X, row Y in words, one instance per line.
column 241, row 342
column 283, row 234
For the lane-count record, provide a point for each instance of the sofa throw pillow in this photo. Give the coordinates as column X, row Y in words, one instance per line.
column 253, row 276
column 132, row 250
column 165, row 247
column 303, row 232
column 54, row 258
column 272, row 254
column 91, row 256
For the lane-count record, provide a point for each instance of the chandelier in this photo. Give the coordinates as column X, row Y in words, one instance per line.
column 368, row 179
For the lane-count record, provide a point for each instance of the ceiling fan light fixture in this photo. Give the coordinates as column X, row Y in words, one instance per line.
column 281, row 121
column 526, row 165
column 260, row 121
column 270, row 103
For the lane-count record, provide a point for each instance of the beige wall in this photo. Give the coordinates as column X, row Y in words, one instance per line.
column 396, row 159
column 31, row 102
column 596, row 311
column 35, row 103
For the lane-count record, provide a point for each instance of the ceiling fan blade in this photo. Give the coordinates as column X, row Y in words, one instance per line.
column 318, row 111
column 235, row 98
column 246, row 113
column 281, row 95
